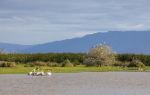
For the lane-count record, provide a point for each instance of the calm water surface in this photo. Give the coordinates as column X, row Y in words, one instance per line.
column 90, row 83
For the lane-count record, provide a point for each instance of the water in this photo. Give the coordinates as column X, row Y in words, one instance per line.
column 90, row 83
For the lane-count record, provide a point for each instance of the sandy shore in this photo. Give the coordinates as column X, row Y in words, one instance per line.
column 92, row 83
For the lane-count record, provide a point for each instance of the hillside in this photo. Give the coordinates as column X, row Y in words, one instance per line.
column 6, row 47
column 121, row 42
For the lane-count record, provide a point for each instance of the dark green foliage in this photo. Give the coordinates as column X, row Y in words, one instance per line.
column 50, row 57
column 76, row 62
column 75, row 58
column 39, row 63
column 145, row 59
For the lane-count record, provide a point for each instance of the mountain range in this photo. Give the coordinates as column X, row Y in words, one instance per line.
column 121, row 42
column 9, row 48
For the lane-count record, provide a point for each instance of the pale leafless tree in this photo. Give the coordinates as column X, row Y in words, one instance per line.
column 101, row 55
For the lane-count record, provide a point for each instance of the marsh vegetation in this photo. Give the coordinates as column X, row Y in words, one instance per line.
column 99, row 58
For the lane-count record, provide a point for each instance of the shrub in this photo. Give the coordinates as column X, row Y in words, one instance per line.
column 53, row 64
column 121, row 64
column 7, row 64
column 90, row 62
column 76, row 62
column 39, row 63
column 136, row 63
column 129, row 57
column 67, row 63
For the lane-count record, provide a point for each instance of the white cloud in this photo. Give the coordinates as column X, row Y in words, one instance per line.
column 136, row 27
column 60, row 19
column 81, row 34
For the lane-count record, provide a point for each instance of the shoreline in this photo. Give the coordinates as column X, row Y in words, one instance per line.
column 81, row 72
column 78, row 69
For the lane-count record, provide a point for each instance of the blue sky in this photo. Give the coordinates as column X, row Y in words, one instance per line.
column 40, row 21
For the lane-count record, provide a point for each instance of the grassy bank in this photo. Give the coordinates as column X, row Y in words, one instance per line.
column 20, row 69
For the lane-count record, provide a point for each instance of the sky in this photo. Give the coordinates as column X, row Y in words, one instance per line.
column 41, row 21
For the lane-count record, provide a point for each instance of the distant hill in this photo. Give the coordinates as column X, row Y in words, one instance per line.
column 6, row 47
column 121, row 42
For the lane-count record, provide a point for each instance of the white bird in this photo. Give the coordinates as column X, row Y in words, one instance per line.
column 49, row 73
column 41, row 73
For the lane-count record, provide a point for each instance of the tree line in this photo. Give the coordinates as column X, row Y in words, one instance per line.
column 49, row 57
column 97, row 56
